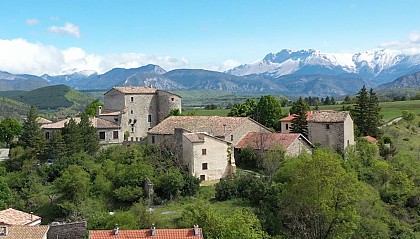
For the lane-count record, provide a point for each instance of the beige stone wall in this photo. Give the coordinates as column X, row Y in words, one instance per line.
column 332, row 137
column 284, row 129
column 240, row 132
column 216, row 158
column 166, row 103
column 114, row 100
column 297, row 147
column 348, row 132
column 109, row 137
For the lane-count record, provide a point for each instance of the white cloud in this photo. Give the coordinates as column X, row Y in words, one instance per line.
column 32, row 21
column 410, row 45
column 20, row 56
column 213, row 66
column 68, row 29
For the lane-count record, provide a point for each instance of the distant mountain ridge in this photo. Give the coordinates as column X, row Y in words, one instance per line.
column 407, row 81
column 380, row 65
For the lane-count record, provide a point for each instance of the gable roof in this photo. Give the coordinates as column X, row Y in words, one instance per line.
column 140, row 234
column 253, row 139
column 213, row 125
column 25, row 232
column 98, row 123
column 200, row 137
column 12, row 216
column 328, row 116
column 292, row 116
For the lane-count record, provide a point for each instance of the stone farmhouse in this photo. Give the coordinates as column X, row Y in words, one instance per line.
column 329, row 128
column 294, row 144
column 205, row 143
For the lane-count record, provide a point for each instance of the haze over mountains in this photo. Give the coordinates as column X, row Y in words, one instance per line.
column 303, row 72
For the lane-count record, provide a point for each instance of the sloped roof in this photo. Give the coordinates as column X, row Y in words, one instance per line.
column 371, row 139
column 12, row 216
column 213, row 125
column 25, row 232
column 330, row 116
column 98, row 123
column 257, row 140
column 195, row 137
column 292, row 116
column 140, row 234
column 41, row 120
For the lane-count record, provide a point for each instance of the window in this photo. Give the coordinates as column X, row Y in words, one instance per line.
column 116, row 119
column 132, row 99
column 327, row 126
column 172, row 98
column 132, row 138
column 132, row 129
column 115, row 134
column 149, row 118
column 47, row 135
column 131, row 111
column 3, row 231
column 137, row 138
column 231, row 137
column 102, row 135
column 287, row 126
column 204, row 166
column 203, row 151
column 202, row 177
column 153, row 139
column 348, row 142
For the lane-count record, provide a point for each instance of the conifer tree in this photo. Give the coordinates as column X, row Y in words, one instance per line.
column 374, row 116
column 56, row 146
column 300, row 123
column 32, row 136
column 90, row 136
column 72, row 137
column 360, row 112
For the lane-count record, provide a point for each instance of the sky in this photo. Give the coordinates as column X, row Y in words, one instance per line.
column 59, row 36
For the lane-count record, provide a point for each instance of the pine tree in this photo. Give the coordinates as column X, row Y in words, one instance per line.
column 72, row 137
column 56, row 146
column 32, row 136
column 360, row 112
column 300, row 123
column 374, row 116
column 90, row 136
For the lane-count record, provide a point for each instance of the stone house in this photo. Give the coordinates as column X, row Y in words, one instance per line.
column 207, row 157
column 331, row 129
column 13, row 217
column 23, row 232
column 137, row 109
column 294, row 144
column 204, row 143
column 109, row 132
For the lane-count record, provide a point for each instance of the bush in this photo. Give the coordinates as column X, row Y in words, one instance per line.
column 226, row 189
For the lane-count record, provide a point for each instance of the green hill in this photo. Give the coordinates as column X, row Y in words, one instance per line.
column 53, row 98
column 12, row 108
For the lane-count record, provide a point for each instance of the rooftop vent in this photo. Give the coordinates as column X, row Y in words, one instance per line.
column 153, row 230
column 196, row 230
column 116, row 230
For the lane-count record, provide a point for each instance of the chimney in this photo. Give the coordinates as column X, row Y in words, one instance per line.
column 153, row 230
column 116, row 230
column 98, row 110
column 196, row 230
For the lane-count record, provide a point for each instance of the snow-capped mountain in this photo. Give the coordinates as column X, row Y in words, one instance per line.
column 379, row 65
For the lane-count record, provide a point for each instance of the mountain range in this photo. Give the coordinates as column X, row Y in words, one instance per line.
column 288, row 72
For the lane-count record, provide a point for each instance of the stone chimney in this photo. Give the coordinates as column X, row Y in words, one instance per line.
column 196, row 230
column 116, row 230
column 153, row 230
column 98, row 110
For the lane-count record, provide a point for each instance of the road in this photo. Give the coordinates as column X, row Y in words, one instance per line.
column 391, row 122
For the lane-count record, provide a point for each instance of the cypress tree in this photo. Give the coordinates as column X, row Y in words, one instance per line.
column 90, row 136
column 360, row 112
column 32, row 136
column 374, row 116
column 300, row 123
column 72, row 137
column 56, row 146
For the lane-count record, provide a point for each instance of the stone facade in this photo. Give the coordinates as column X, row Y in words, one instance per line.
column 207, row 157
column 75, row 230
column 331, row 129
column 139, row 108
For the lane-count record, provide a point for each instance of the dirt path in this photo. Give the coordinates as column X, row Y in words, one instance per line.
column 391, row 122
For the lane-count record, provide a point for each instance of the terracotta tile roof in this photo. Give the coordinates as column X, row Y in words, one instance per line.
column 213, row 125
column 136, row 90
column 139, row 234
column 25, row 232
column 110, row 113
column 371, row 139
column 289, row 118
column 12, row 216
column 96, row 122
column 329, row 116
column 253, row 139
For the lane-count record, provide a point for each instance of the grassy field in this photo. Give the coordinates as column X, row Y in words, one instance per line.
column 390, row 110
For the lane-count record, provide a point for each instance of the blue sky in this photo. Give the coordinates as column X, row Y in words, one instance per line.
column 56, row 36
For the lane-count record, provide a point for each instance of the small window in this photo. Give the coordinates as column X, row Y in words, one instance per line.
column 149, row 118
column 132, row 99
column 204, row 166
column 231, row 137
column 47, row 135
column 132, row 138
column 131, row 111
column 3, row 231
column 153, row 139
column 137, row 138
column 172, row 98
column 203, row 151
column 202, row 177
column 116, row 119
column 287, row 126
column 102, row 135
column 327, row 126
column 132, row 129
column 348, row 142
column 115, row 134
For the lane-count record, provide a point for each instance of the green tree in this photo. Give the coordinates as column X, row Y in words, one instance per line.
column 32, row 136
column 374, row 116
column 92, row 107
column 90, row 138
column 300, row 123
column 244, row 109
column 360, row 112
column 408, row 116
column 6, row 195
column 9, row 130
column 268, row 112
column 72, row 137
column 56, row 146
column 73, row 184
